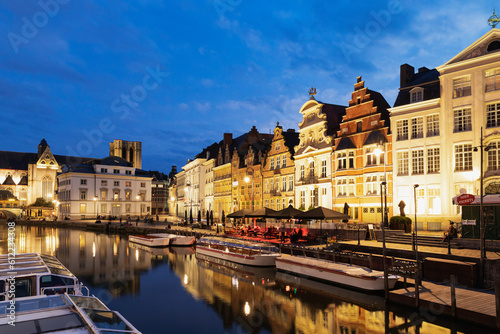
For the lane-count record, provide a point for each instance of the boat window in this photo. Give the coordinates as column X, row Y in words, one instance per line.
column 51, row 285
column 88, row 302
column 24, row 287
column 107, row 320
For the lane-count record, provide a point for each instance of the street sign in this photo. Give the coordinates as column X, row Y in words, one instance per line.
column 465, row 199
column 468, row 222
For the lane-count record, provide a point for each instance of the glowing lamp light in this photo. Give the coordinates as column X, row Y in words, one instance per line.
column 377, row 151
column 287, row 288
column 246, row 309
column 185, row 279
column 247, row 179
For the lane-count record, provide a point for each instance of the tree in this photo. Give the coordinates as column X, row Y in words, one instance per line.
column 40, row 201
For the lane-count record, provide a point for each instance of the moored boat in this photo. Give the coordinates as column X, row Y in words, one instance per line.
column 61, row 314
column 36, row 274
column 239, row 251
column 162, row 240
column 150, row 240
column 340, row 273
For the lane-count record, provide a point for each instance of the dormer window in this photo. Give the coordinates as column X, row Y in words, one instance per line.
column 416, row 94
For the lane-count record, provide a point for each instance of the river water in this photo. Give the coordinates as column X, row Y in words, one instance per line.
column 173, row 291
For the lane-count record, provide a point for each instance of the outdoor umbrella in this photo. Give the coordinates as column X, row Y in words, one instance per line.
column 185, row 216
column 199, row 217
column 287, row 213
column 262, row 213
column 322, row 213
column 211, row 217
column 239, row 214
column 191, row 216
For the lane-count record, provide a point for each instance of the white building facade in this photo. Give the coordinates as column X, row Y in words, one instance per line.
column 437, row 135
column 105, row 187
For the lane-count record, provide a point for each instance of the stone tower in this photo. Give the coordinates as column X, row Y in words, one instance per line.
column 130, row 151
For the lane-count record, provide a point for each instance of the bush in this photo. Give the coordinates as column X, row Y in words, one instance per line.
column 400, row 223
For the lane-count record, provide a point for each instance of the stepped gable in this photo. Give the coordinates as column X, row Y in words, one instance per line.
column 366, row 120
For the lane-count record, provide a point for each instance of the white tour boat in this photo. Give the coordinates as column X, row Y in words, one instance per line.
column 36, row 274
column 162, row 240
column 239, row 251
column 334, row 272
column 61, row 314
column 38, row 294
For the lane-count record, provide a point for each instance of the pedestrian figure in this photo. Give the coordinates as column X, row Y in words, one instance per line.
column 137, row 222
column 451, row 233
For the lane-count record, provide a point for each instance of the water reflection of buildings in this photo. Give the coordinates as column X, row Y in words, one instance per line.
column 253, row 299
column 97, row 259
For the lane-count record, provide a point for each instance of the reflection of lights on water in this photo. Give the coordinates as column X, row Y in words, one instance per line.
column 287, row 288
column 247, row 308
column 185, row 279
column 93, row 249
column 263, row 281
column 22, row 243
column 137, row 255
column 234, row 281
column 115, row 249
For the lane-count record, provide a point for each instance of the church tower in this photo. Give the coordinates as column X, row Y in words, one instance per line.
column 130, row 151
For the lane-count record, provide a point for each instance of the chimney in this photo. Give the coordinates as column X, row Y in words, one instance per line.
column 407, row 72
column 290, row 130
column 423, row 69
column 228, row 139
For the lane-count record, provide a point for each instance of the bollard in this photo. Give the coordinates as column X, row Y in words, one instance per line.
column 453, row 296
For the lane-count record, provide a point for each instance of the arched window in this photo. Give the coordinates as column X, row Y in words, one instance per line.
column 47, row 188
column 23, row 196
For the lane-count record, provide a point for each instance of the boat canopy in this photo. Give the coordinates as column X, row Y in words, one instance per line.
column 31, row 263
column 239, row 244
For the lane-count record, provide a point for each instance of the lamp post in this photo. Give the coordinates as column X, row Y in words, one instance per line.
column 95, row 207
column 482, row 248
column 140, row 207
column 415, row 186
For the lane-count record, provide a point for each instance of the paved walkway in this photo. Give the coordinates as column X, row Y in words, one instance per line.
column 474, row 253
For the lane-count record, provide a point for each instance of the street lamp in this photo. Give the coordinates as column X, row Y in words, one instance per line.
column 481, row 208
column 382, row 149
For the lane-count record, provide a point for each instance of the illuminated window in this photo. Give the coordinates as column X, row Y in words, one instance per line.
column 417, row 162
column 284, row 160
column 278, row 162
column 402, row 158
column 402, row 129
column 83, row 207
column 493, row 156
column 433, row 160
column 461, row 87
column 462, row 120
column 463, row 157
column 492, row 115
column 432, row 125
column 492, row 78
column 272, row 163
column 417, row 127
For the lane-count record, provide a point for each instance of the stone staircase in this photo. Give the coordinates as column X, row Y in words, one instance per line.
column 399, row 237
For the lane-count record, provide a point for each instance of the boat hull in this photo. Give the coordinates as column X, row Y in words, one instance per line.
column 150, row 241
column 336, row 273
column 259, row 260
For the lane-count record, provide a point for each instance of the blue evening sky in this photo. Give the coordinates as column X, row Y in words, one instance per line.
column 176, row 75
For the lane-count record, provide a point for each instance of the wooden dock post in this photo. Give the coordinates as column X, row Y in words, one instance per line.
column 453, row 296
column 497, row 302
